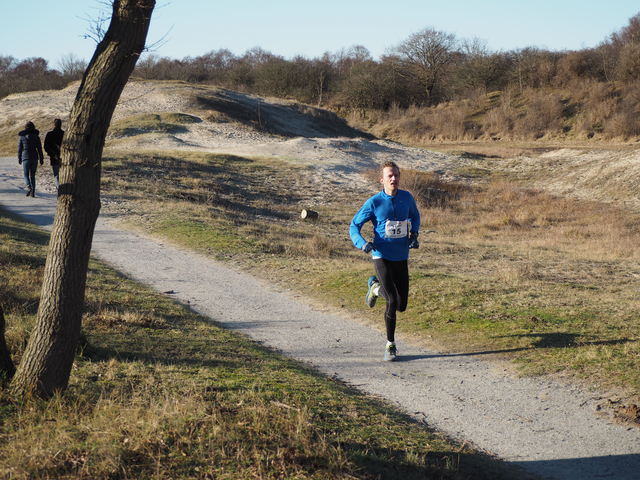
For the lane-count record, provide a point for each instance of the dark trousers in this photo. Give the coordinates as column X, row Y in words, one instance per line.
column 394, row 287
column 29, row 168
column 55, row 166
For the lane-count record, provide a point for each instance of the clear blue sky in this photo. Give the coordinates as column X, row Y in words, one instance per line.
column 51, row 29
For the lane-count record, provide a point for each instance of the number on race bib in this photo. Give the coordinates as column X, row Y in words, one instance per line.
column 396, row 228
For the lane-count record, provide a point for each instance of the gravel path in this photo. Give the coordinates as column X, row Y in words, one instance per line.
column 546, row 428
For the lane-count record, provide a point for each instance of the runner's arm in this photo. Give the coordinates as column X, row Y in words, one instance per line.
column 39, row 148
column 414, row 217
column 363, row 215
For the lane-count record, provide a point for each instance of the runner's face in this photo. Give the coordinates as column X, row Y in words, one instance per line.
column 390, row 180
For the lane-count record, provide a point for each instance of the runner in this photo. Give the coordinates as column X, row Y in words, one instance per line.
column 396, row 222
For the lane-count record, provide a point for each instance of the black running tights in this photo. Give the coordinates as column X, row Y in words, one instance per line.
column 394, row 287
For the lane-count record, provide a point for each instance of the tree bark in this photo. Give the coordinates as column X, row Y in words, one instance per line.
column 7, row 369
column 48, row 358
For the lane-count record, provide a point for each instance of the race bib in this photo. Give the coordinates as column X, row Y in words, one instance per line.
column 396, row 228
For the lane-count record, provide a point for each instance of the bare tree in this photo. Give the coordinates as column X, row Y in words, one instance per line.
column 48, row 358
column 425, row 55
column 475, row 68
column 72, row 66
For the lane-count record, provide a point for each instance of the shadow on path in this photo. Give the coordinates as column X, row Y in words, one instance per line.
column 545, row 340
column 618, row 467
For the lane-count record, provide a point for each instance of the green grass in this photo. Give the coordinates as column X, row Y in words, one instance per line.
column 540, row 281
column 158, row 392
column 473, row 172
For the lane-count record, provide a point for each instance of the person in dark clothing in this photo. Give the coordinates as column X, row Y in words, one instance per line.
column 52, row 144
column 29, row 153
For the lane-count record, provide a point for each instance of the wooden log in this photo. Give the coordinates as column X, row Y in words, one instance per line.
column 307, row 214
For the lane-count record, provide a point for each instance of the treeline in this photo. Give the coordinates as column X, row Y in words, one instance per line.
column 436, row 86
column 428, row 68
column 452, row 88
column 36, row 74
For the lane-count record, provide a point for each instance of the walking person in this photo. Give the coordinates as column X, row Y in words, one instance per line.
column 396, row 223
column 52, row 144
column 29, row 153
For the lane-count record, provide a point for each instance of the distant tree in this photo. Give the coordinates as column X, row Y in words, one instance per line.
column 72, row 67
column 426, row 56
column 479, row 70
column 534, row 68
column 628, row 65
column 620, row 47
column 579, row 65
column 370, row 86
column 629, row 34
column 323, row 74
column 6, row 65
column 257, row 56
column 216, row 64
column 345, row 59
column 46, row 363
column 626, row 44
column 608, row 54
column 146, row 67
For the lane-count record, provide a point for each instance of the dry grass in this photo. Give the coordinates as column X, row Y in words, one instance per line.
column 584, row 110
column 503, row 255
column 151, row 123
column 157, row 392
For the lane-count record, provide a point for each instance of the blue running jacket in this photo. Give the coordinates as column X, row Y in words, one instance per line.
column 393, row 218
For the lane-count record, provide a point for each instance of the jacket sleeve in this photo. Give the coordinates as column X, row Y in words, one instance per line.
column 414, row 217
column 39, row 147
column 20, row 148
column 47, row 143
column 363, row 215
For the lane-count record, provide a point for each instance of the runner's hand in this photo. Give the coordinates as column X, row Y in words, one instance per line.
column 367, row 247
column 413, row 240
column 19, row 161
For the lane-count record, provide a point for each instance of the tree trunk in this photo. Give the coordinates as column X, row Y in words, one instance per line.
column 48, row 358
column 7, row 368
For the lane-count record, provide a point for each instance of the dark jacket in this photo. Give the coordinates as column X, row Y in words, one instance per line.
column 52, row 143
column 29, row 146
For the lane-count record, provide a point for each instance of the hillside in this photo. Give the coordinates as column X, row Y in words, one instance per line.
column 178, row 116
column 214, row 105
column 170, row 116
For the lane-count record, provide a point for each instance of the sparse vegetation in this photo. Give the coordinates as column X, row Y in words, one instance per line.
column 152, row 123
column 537, row 278
column 157, row 392
column 430, row 87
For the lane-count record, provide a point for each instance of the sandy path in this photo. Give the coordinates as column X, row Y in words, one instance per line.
column 544, row 427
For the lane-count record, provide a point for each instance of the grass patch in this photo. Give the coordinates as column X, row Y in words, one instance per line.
column 547, row 282
column 157, row 392
column 8, row 140
column 152, row 123
column 473, row 172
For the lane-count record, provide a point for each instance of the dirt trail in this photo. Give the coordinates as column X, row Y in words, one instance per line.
column 546, row 428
